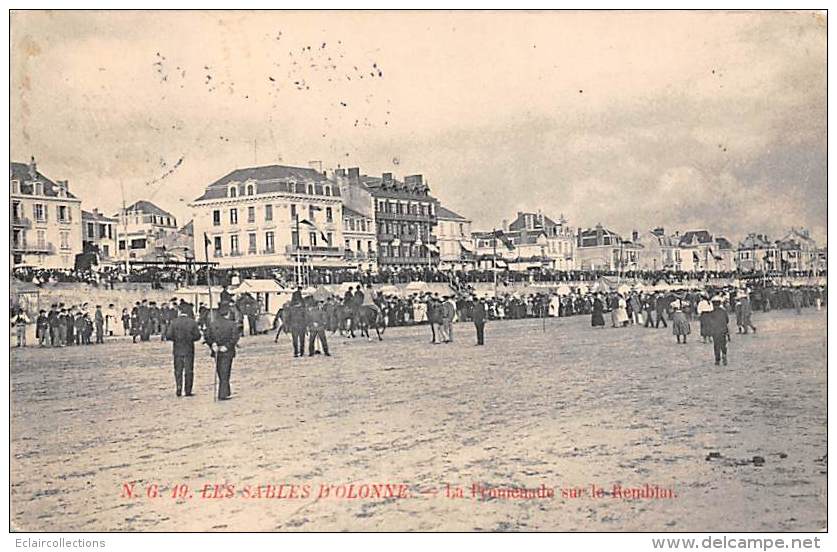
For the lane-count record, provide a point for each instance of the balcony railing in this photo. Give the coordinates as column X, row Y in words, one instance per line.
column 405, row 216
column 314, row 250
column 46, row 248
column 21, row 222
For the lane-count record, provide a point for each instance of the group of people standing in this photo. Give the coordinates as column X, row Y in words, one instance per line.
column 62, row 325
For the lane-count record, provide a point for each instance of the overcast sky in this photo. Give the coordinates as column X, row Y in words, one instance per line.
column 634, row 120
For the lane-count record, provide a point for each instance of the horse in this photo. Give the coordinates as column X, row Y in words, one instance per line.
column 363, row 319
column 371, row 317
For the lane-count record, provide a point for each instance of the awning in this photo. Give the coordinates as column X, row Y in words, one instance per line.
column 433, row 248
column 466, row 246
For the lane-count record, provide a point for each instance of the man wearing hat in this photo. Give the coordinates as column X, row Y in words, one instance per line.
column 717, row 321
column 222, row 337
column 183, row 331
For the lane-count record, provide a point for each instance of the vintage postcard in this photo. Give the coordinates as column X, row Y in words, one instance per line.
column 431, row 271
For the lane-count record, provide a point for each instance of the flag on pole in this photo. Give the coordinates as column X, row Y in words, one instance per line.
column 310, row 224
column 499, row 234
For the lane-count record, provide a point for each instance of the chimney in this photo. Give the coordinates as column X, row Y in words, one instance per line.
column 635, row 236
column 63, row 187
column 33, row 168
column 354, row 173
column 505, row 225
column 316, row 165
column 599, row 234
column 386, row 179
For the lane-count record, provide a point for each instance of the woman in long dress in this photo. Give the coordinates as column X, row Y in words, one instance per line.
column 597, row 320
column 679, row 322
column 621, row 311
column 704, row 307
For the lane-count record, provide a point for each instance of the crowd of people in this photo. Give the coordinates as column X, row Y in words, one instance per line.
column 107, row 276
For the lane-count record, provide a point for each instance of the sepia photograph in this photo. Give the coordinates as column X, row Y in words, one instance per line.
column 280, row 271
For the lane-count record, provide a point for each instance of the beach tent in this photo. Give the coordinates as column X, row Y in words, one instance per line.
column 321, row 293
column 24, row 295
column 270, row 294
column 417, row 287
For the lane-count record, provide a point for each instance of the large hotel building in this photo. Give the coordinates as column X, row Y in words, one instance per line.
column 271, row 216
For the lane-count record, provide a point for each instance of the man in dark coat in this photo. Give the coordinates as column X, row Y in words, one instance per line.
column 42, row 328
column 478, row 314
column 222, row 337
column 317, row 322
column 54, row 326
column 99, row 320
column 717, row 322
column 296, row 321
column 144, row 320
column 183, row 331
column 661, row 305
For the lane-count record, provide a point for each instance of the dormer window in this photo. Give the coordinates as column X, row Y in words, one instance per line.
column 39, row 188
column 311, row 189
column 328, row 190
column 250, row 190
column 233, row 191
column 15, row 186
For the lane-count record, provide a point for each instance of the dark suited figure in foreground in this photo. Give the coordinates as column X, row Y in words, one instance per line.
column 317, row 322
column 479, row 316
column 222, row 337
column 297, row 321
column 718, row 328
column 183, row 332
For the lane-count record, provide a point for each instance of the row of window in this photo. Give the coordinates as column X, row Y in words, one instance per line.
column 402, row 228
column 150, row 219
column 403, row 207
column 419, row 252
column 359, row 247
column 36, row 189
column 40, row 212
column 104, row 231
column 19, row 239
column 268, row 214
column 359, row 224
column 269, row 242
column 234, row 190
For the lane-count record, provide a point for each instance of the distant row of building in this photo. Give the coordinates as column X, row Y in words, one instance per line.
column 283, row 216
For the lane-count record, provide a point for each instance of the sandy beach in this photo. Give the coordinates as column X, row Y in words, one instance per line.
column 420, row 428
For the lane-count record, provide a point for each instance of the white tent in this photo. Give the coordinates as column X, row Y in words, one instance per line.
column 269, row 293
column 563, row 289
column 417, row 287
column 390, row 290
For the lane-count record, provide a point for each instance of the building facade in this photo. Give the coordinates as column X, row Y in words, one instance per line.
column 405, row 220
column 143, row 229
column 660, row 251
column 100, row 235
column 757, row 253
column 360, row 241
column 602, row 249
column 456, row 247
column 701, row 251
column 271, row 216
column 45, row 222
column 797, row 250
